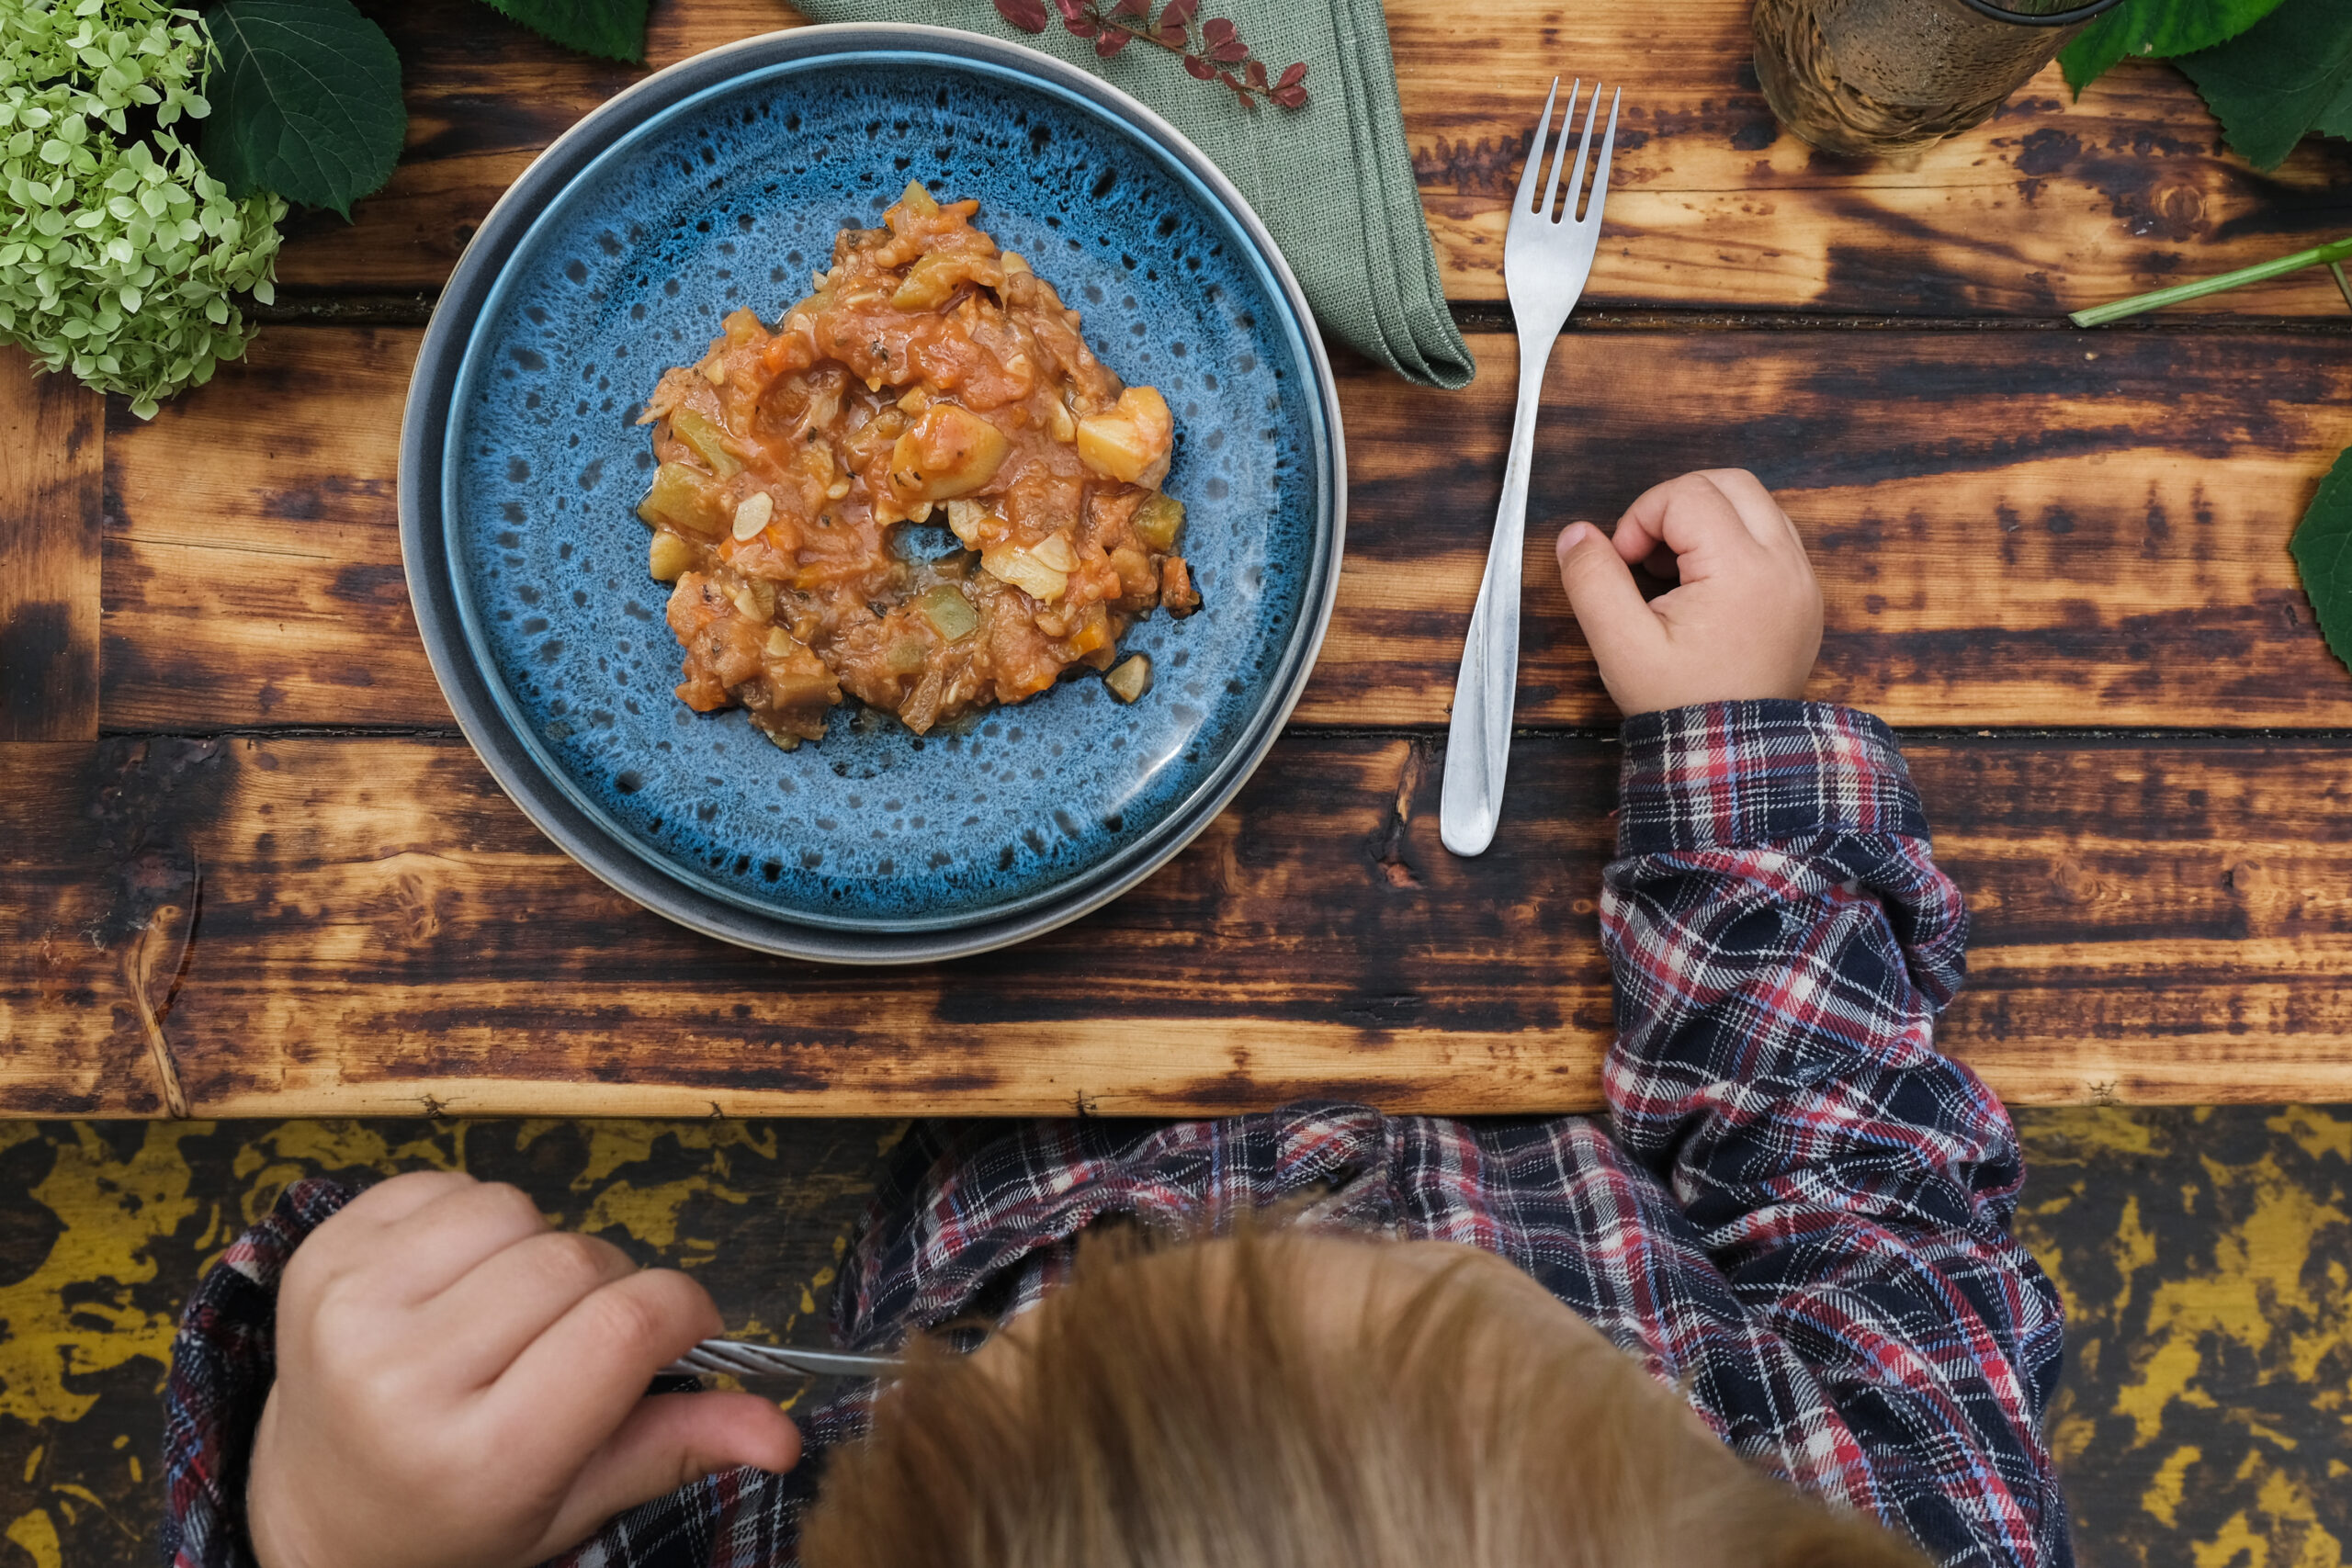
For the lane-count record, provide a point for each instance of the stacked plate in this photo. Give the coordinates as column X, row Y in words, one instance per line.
column 719, row 185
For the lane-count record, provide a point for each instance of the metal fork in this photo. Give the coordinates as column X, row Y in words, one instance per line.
column 1545, row 263
column 743, row 1359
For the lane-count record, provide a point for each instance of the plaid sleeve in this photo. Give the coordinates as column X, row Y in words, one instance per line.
column 1780, row 944
column 222, row 1365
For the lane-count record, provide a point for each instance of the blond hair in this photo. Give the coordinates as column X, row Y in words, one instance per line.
column 1175, row 1407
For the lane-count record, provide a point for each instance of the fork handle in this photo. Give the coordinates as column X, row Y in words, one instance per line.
column 747, row 1360
column 1477, row 738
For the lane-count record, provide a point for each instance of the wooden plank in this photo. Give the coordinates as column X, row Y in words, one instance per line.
column 2011, row 528
column 52, row 481
column 379, row 933
column 2052, row 206
column 252, row 552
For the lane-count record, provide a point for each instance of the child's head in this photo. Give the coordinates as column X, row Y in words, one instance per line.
column 1293, row 1401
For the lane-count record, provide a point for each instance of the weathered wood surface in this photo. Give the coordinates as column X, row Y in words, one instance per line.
column 2015, row 528
column 2008, row 530
column 252, row 552
column 378, row 931
column 2052, row 206
column 52, row 449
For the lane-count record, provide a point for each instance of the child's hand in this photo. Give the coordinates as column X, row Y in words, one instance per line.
column 1744, row 619
column 459, row 1386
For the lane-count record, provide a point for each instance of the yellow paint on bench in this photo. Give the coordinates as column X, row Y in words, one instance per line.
column 109, row 1211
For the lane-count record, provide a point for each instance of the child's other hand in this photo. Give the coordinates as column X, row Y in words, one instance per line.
column 1743, row 619
column 459, row 1386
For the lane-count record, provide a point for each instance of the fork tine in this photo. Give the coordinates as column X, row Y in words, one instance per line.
column 1584, row 144
column 1536, row 154
column 1560, row 150
column 1608, row 143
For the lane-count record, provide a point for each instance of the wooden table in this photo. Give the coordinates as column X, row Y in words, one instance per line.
column 242, row 841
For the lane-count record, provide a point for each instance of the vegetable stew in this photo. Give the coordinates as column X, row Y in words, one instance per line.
column 931, row 378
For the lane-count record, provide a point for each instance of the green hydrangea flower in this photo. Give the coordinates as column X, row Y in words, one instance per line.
column 120, row 258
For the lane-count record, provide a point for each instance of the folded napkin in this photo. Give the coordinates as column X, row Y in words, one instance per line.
column 1332, row 181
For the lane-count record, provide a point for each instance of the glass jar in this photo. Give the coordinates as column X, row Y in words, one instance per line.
column 1872, row 77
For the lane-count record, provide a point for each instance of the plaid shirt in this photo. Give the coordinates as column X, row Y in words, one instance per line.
column 1796, row 1211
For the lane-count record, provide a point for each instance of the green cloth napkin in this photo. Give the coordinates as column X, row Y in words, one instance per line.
column 1332, row 181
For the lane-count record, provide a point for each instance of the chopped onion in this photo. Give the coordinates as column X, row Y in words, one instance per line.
column 1011, row 563
column 964, row 520
column 753, row 603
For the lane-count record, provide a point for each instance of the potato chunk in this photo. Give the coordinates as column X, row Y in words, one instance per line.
column 670, row 558
column 1132, row 442
column 950, row 451
column 1131, row 679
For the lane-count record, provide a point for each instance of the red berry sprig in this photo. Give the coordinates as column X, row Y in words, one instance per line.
column 1220, row 56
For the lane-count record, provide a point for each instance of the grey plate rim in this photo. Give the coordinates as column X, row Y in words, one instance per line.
column 434, row 596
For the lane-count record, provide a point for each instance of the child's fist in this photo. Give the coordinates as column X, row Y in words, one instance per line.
column 459, row 1386
column 1743, row 619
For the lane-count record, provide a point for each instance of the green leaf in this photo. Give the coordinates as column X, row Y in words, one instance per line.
column 2097, row 48
column 2322, row 547
column 2336, row 118
column 613, row 28
column 2287, row 74
column 306, row 101
column 2155, row 29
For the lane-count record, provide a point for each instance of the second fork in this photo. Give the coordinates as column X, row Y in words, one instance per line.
column 1545, row 263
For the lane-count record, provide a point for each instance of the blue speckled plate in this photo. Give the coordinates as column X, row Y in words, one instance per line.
column 720, row 184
